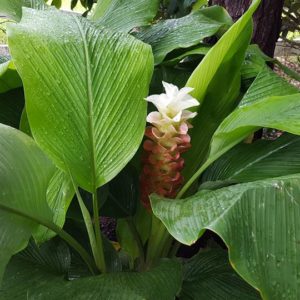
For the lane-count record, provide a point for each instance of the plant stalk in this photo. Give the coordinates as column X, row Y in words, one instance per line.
column 90, row 230
column 63, row 234
column 137, row 238
column 99, row 240
column 160, row 240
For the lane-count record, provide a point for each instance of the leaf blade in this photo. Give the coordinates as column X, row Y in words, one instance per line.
column 257, row 221
column 32, row 281
column 20, row 167
column 124, row 15
column 85, row 127
column 166, row 36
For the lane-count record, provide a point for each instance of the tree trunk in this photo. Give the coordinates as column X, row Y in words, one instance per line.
column 267, row 20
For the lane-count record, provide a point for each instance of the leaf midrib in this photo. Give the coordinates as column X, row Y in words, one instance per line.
column 90, row 97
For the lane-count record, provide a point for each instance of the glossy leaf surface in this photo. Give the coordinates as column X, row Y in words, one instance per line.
column 216, row 90
column 13, row 8
column 24, row 175
column 260, row 160
column 124, row 15
column 267, row 83
column 167, row 35
column 59, row 195
column 273, row 112
column 94, row 124
column 259, row 223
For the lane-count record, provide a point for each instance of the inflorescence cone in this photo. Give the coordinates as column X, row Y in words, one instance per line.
column 166, row 139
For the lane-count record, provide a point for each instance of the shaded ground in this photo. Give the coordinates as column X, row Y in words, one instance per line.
column 292, row 62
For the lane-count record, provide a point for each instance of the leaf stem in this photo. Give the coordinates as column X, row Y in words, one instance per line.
column 193, row 179
column 63, row 234
column 99, row 241
column 174, row 249
column 158, row 241
column 137, row 238
column 89, row 227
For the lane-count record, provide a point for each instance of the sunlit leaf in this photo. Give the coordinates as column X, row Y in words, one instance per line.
column 94, row 124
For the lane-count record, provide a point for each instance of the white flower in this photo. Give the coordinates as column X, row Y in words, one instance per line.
column 172, row 107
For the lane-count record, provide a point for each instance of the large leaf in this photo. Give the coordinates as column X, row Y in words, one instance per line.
column 255, row 61
column 208, row 275
column 24, row 175
column 85, row 103
column 273, row 112
column 60, row 192
column 280, row 112
column 167, row 35
column 23, row 280
column 267, row 83
column 216, row 90
column 54, row 255
column 260, row 160
column 124, row 15
column 259, row 222
column 13, row 8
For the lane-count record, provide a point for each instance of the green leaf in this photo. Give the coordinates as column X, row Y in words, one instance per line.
column 89, row 117
column 56, row 3
column 267, row 83
column 259, row 223
column 273, row 112
column 198, row 4
column 124, row 15
column 23, row 280
column 167, row 35
column 255, row 60
column 201, row 50
column 221, row 52
column 216, row 82
column 260, row 160
column 53, row 255
column 208, row 275
column 24, row 124
column 126, row 238
column 9, row 77
column 112, row 258
column 24, row 175
column 59, row 195
column 12, row 9
column 11, row 106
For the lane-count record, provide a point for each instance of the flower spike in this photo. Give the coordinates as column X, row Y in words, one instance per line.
column 167, row 138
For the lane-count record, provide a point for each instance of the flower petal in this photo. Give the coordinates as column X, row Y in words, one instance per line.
column 154, row 117
column 188, row 115
column 171, row 89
